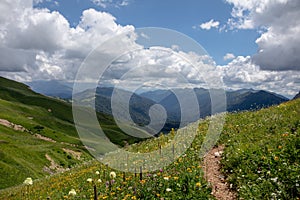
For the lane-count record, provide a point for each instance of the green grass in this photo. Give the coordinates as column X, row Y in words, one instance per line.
column 22, row 154
column 262, row 153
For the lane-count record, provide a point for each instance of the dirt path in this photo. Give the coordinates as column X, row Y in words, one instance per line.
column 8, row 124
column 211, row 166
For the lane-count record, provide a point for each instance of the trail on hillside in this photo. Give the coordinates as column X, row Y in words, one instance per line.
column 213, row 175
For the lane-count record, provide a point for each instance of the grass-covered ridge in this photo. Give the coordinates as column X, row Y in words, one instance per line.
column 261, row 161
column 49, row 135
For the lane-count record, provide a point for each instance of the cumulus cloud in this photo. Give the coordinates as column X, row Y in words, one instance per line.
column 229, row 56
column 210, row 24
column 243, row 73
column 40, row 44
column 279, row 22
column 43, row 44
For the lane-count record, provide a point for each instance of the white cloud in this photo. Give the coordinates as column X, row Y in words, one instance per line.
column 28, row 34
column 39, row 44
column 108, row 3
column 279, row 21
column 229, row 56
column 243, row 73
column 210, row 24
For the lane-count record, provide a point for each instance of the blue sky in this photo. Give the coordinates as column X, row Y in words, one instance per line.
column 182, row 16
column 254, row 43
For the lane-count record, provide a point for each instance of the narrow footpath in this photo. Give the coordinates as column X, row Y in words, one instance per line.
column 211, row 167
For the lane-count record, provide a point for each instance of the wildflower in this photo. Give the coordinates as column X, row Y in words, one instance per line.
column 274, row 179
column 276, row 158
column 166, row 178
column 99, row 180
column 217, row 154
column 89, row 180
column 112, row 175
column 72, row 192
column 97, row 172
column 198, row 184
column 28, row 181
column 168, row 189
column 279, row 147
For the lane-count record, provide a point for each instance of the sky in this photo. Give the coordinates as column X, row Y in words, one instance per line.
column 253, row 43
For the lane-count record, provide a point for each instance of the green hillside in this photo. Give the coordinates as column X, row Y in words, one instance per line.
column 260, row 160
column 47, row 141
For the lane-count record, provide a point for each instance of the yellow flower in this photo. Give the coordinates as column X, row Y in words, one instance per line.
column 276, row 158
column 28, row 181
column 279, row 147
column 176, row 178
column 134, row 197
column 198, row 184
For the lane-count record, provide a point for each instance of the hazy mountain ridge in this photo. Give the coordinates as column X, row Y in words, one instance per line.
column 139, row 104
column 51, row 88
column 297, row 96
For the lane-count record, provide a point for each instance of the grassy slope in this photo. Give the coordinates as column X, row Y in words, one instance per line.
column 262, row 153
column 22, row 154
column 261, row 160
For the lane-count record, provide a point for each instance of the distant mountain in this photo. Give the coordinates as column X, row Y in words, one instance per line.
column 297, row 96
column 51, row 88
column 236, row 100
column 252, row 100
column 139, row 105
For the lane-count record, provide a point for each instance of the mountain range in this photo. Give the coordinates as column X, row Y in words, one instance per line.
column 139, row 104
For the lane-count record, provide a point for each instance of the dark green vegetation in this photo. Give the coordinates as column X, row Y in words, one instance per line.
column 49, row 129
column 261, row 161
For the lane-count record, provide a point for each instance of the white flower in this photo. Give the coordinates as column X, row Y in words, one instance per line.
column 168, row 189
column 217, row 154
column 97, row 172
column 28, row 181
column 112, row 175
column 166, row 178
column 99, row 180
column 274, row 179
column 72, row 192
column 89, row 180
